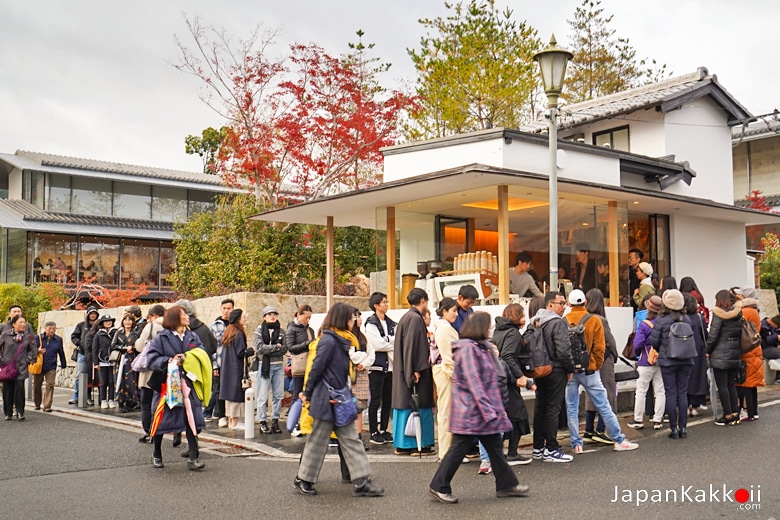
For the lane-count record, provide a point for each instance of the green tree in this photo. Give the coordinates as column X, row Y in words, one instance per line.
column 475, row 71
column 206, row 146
column 603, row 63
column 33, row 300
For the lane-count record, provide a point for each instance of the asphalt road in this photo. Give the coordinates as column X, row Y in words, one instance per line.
column 57, row 466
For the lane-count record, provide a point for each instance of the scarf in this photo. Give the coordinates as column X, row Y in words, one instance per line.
column 270, row 333
column 353, row 341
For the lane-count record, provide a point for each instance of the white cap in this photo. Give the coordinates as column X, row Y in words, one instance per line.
column 576, row 297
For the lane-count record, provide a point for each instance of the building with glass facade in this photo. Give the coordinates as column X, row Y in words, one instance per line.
column 64, row 219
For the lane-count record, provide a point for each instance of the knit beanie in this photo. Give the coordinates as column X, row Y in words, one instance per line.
column 673, row 300
column 653, row 304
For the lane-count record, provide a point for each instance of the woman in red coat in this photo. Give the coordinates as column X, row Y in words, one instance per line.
column 748, row 391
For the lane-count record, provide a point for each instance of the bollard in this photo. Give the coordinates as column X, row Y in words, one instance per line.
column 249, row 413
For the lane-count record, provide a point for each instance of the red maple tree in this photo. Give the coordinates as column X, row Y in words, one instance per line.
column 754, row 233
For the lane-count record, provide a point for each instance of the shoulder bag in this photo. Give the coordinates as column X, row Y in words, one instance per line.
column 626, row 375
column 749, row 338
column 37, row 367
column 9, row 372
column 344, row 409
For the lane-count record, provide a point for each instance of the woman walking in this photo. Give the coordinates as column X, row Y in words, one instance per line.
column 16, row 346
column 477, row 411
column 167, row 352
column 724, row 353
column 330, row 368
column 234, row 359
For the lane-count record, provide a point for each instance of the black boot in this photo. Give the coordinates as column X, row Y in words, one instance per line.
column 264, row 427
column 275, row 426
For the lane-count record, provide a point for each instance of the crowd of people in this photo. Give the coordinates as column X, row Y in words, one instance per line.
column 463, row 372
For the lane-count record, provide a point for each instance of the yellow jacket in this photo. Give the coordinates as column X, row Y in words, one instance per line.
column 197, row 362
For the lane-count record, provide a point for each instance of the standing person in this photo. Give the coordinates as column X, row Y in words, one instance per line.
column 585, row 271
column 477, row 411
column 207, row 339
column 124, row 341
column 635, row 256
column 152, row 328
column 770, row 331
column 675, row 372
column 644, row 273
column 589, row 377
column 443, row 367
column 551, row 388
column 467, row 296
column 688, row 285
column 508, row 340
column 174, row 344
column 747, row 391
column 412, row 371
column 234, row 358
column 331, row 368
column 698, row 386
column 50, row 345
column 269, row 345
column 648, row 372
column 361, row 359
column 103, row 334
column 13, row 311
column 380, row 333
column 594, row 304
column 216, row 405
column 16, row 343
column 297, row 338
column 79, row 339
column 520, row 281
column 724, row 353
column 668, row 282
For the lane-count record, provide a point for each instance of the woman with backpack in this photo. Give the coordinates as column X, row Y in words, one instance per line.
column 647, row 366
column 670, row 327
column 724, row 353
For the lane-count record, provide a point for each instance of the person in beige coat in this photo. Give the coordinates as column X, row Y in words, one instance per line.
column 443, row 367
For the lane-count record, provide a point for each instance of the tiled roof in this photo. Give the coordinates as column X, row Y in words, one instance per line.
column 29, row 212
column 771, row 200
column 667, row 95
column 764, row 126
column 62, row 161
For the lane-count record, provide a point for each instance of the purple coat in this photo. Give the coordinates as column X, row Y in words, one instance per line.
column 642, row 342
column 477, row 408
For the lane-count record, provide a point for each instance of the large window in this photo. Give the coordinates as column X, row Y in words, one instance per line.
column 33, row 188
column 169, row 204
column 141, row 261
column 91, row 196
column 53, row 258
column 200, row 202
column 132, row 200
column 167, row 263
column 99, row 259
column 617, row 139
column 59, row 193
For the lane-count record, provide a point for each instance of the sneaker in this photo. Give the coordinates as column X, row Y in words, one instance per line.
column 465, row 460
column 626, row 445
column 296, row 432
column 207, row 418
column 657, row 426
column 333, row 443
column 444, row 498
column 743, row 414
column 223, row 421
column 484, row 468
column 520, row 490
column 577, row 449
column 637, row 425
column 755, row 417
column 734, row 421
column 556, row 456
column 603, row 438
column 104, row 405
column 145, row 440
column 588, row 436
column 376, row 438
column 74, row 400
column 702, row 408
column 694, row 412
column 387, row 436
column 112, row 404
column 518, row 460
column 473, row 453
column 537, row 454
column 368, row 489
column 721, row 421
column 303, row 487
column 90, row 402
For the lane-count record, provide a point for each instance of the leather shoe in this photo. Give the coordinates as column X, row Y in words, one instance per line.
column 195, row 464
column 145, row 439
column 674, row 434
column 683, row 433
column 444, row 498
column 520, row 490
column 176, row 439
column 185, row 454
column 264, row 428
column 157, row 462
column 303, row 487
column 368, row 489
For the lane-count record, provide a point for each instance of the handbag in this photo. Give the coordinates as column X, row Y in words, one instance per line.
column 628, row 350
column 741, row 373
column 410, row 430
column 626, row 375
column 75, row 355
column 344, row 409
column 9, row 372
column 298, row 364
column 652, row 356
column 245, row 381
column 141, row 361
column 114, row 356
column 173, row 392
column 749, row 338
column 37, row 367
column 774, row 364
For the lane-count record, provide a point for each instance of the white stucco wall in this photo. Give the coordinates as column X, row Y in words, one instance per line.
column 417, row 243
column 710, row 251
column 419, row 161
column 15, row 184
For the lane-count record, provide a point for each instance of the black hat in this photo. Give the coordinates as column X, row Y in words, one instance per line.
column 235, row 315
column 105, row 318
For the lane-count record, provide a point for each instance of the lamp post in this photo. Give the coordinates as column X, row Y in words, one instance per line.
column 552, row 65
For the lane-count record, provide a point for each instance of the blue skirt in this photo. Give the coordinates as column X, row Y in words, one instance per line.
column 399, row 424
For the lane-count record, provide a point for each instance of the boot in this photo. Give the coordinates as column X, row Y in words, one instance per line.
column 264, row 427
column 275, row 426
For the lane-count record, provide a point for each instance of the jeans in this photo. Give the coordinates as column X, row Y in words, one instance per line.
column 646, row 376
column 461, row 444
column 549, row 400
column 676, row 387
column 80, row 367
column 598, row 395
column 274, row 383
column 727, row 390
column 380, row 387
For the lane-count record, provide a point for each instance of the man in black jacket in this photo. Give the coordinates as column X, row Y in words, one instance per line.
column 199, row 328
column 79, row 339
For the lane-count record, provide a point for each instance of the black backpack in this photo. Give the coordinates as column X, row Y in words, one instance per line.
column 681, row 342
column 533, row 356
column 579, row 350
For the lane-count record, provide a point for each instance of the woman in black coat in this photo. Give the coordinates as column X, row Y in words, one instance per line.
column 698, row 387
column 297, row 338
column 234, row 355
column 724, row 353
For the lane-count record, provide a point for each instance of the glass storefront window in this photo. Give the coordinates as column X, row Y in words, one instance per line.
column 169, row 204
column 53, row 258
column 167, row 263
column 99, row 259
column 91, row 196
column 33, row 188
column 58, row 198
column 141, row 260
column 132, row 200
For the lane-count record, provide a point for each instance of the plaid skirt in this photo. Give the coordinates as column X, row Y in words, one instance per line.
column 360, row 388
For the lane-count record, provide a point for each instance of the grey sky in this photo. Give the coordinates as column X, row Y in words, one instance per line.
column 91, row 78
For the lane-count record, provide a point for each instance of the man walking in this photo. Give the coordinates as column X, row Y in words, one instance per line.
column 49, row 344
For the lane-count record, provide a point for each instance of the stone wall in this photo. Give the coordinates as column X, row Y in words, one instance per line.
column 206, row 309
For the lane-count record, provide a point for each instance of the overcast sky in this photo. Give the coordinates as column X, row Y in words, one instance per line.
column 92, row 78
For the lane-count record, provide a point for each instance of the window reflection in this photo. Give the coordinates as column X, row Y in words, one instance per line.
column 59, row 193
column 91, row 196
column 99, row 259
column 132, row 200
column 169, row 204
column 140, row 259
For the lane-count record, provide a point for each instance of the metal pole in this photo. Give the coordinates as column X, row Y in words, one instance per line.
column 553, row 132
